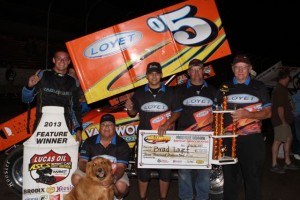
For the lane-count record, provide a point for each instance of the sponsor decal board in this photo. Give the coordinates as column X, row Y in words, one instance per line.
column 114, row 60
column 50, row 157
column 175, row 150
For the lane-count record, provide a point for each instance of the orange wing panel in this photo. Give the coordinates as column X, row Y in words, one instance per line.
column 113, row 60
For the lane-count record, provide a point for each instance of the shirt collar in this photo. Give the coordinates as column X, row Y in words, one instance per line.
column 247, row 82
column 162, row 88
column 189, row 83
column 113, row 141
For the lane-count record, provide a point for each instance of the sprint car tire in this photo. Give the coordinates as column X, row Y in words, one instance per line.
column 13, row 170
column 216, row 182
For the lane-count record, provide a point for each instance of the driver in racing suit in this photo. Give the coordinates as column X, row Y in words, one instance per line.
column 55, row 87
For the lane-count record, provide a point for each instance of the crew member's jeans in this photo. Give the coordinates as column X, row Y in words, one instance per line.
column 186, row 178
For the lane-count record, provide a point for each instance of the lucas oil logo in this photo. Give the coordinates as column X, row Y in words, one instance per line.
column 50, row 168
column 154, row 106
column 113, row 44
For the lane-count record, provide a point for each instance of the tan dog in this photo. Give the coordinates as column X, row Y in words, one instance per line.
column 91, row 187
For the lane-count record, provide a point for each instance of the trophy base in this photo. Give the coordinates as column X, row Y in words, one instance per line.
column 223, row 111
column 225, row 135
column 226, row 160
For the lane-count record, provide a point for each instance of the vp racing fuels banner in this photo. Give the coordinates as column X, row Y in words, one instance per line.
column 114, row 60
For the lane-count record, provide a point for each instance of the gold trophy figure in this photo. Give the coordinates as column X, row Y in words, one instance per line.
column 223, row 150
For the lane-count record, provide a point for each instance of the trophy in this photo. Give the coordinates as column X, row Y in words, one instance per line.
column 223, row 150
column 219, row 149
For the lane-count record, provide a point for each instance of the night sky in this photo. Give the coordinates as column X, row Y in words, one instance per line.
column 264, row 29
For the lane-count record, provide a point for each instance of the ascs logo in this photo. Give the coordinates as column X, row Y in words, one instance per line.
column 50, row 168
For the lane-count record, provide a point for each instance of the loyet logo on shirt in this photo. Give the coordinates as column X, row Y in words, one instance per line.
column 197, row 101
column 154, row 106
column 242, row 98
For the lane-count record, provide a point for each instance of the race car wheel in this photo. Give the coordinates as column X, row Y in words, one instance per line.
column 216, row 181
column 13, row 170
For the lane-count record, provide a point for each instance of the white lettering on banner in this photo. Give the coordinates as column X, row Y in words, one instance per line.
column 44, row 159
column 92, row 131
column 128, row 130
column 49, row 159
column 121, row 130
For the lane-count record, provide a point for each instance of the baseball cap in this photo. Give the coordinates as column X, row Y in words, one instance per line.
column 154, row 67
column 195, row 62
column 241, row 58
column 107, row 118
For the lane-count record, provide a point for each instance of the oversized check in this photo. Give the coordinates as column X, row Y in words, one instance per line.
column 175, row 150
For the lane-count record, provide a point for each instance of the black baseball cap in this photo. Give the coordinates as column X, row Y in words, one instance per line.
column 154, row 67
column 241, row 58
column 195, row 62
column 108, row 118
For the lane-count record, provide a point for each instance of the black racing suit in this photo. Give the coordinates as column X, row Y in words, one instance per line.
column 56, row 90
